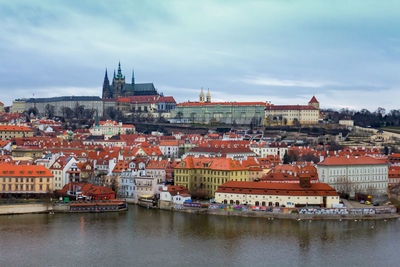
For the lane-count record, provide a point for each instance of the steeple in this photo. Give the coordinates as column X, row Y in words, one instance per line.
column 106, row 76
column 106, row 87
column 133, row 77
column 119, row 73
column 208, row 96
column 202, row 98
column 114, row 73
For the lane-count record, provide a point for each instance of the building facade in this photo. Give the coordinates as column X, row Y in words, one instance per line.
column 58, row 104
column 277, row 194
column 204, row 175
column 206, row 112
column 292, row 114
column 25, row 179
column 11, row 131
column 355, row 175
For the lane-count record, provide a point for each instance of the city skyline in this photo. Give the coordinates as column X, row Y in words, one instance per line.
column 279, row 51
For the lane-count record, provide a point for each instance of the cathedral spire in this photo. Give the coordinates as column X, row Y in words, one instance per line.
column 106, row 86
column 119, row 73
column 133, row 77
column 106, row 76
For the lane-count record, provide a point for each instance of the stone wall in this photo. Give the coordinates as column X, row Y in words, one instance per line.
column 25, row 208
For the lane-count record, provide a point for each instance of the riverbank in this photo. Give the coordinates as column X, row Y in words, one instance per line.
column 289, row 216
column 25, row 208
column 382, row 213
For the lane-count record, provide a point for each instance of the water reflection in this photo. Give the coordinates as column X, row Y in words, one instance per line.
column 153, row 237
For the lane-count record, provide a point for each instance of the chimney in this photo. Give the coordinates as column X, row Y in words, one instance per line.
column 305, row 181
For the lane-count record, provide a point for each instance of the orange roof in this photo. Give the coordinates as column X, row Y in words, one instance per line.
column 169, row 143
column 222, row 164
column 157, row 164
column 15, row 128
column 10, row 170
column 265, row 188
column 344, row 160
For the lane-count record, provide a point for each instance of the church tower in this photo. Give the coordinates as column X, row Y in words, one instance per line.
column 208, row 96
column 118, row 83
column 106, row 87
column 314, row 102
column 202, row 98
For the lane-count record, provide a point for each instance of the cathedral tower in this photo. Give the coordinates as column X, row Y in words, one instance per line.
column 106, row 87
column 118, row 83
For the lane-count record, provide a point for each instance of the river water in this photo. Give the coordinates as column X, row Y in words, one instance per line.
column 142, row 237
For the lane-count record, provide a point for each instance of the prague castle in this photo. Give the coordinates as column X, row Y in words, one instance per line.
column 119, row 88
column 205, row 111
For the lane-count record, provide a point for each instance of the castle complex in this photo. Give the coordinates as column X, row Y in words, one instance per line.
column 119, row 88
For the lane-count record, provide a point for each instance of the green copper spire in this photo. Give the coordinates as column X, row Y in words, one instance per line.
column 133, row 77
column 119, row 73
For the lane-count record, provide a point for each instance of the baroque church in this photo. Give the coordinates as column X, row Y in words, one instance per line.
column 119, row 88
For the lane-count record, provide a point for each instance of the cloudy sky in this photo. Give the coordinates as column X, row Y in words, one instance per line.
column 347, row 53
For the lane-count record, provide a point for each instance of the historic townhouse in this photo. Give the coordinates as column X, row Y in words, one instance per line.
column 204, row 175
column 277, row 194
column 12, row 131
column 292, row 114
column 25, row 179
column 355, row 175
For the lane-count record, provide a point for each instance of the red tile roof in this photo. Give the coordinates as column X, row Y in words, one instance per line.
column 291, row 107
column 344, row 160
column 291, row 189
column 313, row 100
column 10, row 170
column 15, row 128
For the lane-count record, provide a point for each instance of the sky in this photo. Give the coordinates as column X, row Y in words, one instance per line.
column 346, row 53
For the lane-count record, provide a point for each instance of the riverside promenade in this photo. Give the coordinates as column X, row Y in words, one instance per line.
column 288, row 213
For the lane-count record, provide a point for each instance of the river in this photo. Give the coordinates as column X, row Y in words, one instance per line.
column 141, row 237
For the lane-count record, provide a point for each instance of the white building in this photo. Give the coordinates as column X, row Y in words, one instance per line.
column 264, row 194
column 146, row 186
column 169, row 148
column 263, row 149
column 352, row 175
column 59, row 169
column 176, row 194
column 293, row 114
column 157, row 169
column 110, row 128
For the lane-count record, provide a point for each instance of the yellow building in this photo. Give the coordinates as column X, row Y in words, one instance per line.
column 11, row 131
column 292, row 114
column 25, row 179
column 267, row 194
column 202, row 175
column 18, row 106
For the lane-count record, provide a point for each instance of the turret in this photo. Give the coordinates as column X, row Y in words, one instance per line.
column 208, row 96
column 202, row 98
column 314, row 102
